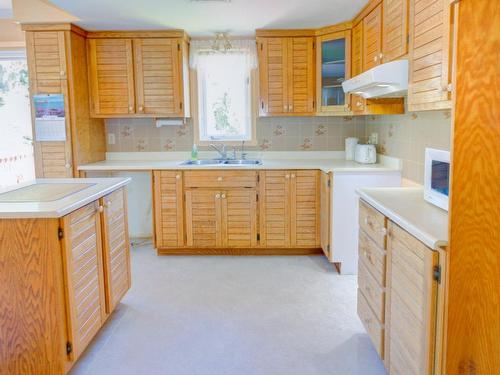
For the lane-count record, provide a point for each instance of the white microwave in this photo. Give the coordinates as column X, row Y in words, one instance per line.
column 437, row 177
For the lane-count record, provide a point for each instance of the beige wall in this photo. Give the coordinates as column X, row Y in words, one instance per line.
column 11, row 35
column 407, row 136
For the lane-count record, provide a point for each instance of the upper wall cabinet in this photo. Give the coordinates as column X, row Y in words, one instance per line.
column 138, row 74
column 332, row 68
column 395, row 29
column 372, row 38
column 286, row 75
column 431, row 41
column 357, row 50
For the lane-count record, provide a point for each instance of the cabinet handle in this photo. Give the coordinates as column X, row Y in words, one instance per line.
column 141, row 108
column 380, row 56
column 67, row 166
column 219, row 178
column 62, row 73
column 293, row 175
column 287, row 176
column 130, row 109
column 217, row 196
column 101, row 209
column 177, row 176
column 223, row 196
column 285, row 108
column 359, row 104
column 375, row 58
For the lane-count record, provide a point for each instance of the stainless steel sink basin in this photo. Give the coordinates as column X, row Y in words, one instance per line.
column 242, row 162
column 221, row 162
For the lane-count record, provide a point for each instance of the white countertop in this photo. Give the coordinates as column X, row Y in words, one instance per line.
column 62, row 206
column 325, row 161
column 407, row 208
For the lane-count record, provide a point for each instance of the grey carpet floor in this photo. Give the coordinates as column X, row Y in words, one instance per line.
column 233, row 315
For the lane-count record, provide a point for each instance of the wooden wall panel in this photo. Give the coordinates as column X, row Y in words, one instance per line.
column 31, row 298
column 473, row 338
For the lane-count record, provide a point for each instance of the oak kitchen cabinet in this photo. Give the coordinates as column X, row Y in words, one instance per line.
column 372, row 38
column 230, row 209
column 400, row 295
column 286, row 73
column 394, row 30
column 431, row 49
column 138, row 74
column 60, row 280
column 57, row 60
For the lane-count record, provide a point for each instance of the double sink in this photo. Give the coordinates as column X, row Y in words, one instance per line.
column 222, row 162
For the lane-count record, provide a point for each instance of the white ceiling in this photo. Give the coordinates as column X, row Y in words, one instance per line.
column 238, row 17
column 5, row 8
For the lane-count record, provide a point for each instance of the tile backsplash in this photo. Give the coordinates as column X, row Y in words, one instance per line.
column 402, row 136
column 273, row 134
column 406, row 137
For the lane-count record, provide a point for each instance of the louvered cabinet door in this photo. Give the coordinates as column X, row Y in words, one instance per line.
column 203, row 218
column 411, row 304
column 158, row 76
column 111, row 75
column 429, row 55
column 273, row 61
column 301, row 75
column 372, row 38
column 304, row 208
column 83, row 276
column 395, row 29
column 274, row 210
column 357, row 49
column 116, row 250
column 239, row 218
column 168, row 208
column 48, row 75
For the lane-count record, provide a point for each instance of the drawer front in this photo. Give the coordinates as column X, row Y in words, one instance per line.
column 220, row 179
column 371, row 324
column 373, row 223
column 374, row 294
column 373, row 257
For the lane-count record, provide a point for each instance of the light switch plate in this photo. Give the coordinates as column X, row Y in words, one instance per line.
column 111, row 138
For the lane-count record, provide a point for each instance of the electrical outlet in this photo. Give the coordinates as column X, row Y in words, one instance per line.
column 373, row 139
column 111, row 138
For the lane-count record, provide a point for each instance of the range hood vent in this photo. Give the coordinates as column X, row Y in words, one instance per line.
column 383, row 80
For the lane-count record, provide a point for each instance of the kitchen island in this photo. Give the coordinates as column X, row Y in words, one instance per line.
column 64, row 266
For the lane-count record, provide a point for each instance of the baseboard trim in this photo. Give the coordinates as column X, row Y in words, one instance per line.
column 239, row 251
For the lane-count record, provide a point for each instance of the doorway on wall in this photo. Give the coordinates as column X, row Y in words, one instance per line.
column 16, row 137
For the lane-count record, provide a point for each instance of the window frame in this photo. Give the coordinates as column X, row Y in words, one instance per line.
column 196, row 117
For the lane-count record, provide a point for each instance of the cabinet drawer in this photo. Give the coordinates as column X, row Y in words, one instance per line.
column 220, row 179
column 373, row 257
column 373, row 223
column 371, row 324
column 374, row 294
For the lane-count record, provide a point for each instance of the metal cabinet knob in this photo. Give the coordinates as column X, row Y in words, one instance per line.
column 217, row 196
column 223, row 196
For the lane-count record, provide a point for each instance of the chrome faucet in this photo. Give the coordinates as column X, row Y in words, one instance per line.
column 222, row 150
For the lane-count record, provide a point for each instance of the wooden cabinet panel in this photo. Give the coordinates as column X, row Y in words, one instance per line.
column 275, row 208
column 301, row 75
column 116, row 249
column 372, row 38
column 374, row 329
column 373, row 257
column 372, row 291
column 357, row 50
column 304, row 208
column 395, row 29
column 111, row 74
column 46, row 54
column 273, row 62
column 239, row 218
column 158, row 76
column 203, row 218
column 373, row 223
column 168, row 209
column 220, row 179
column 411, row 307
column 430, row 55
column 83, row 276
column 326, row 213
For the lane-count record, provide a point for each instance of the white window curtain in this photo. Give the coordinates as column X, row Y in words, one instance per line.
column 200, row 48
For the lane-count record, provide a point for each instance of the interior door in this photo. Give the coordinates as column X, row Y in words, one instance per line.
column 158, row 76
column 116, row 250
column 83, row 266
column 273, row 62
column 111, row 76
column 239, row 218
column 274, row 200
column 203, row 218
column 304, row 209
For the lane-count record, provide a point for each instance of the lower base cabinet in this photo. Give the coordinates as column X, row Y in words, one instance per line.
column 59, row 281
column 240, row 211
column 400, row 295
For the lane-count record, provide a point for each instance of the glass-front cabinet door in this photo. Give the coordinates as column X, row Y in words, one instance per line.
column 334, row 67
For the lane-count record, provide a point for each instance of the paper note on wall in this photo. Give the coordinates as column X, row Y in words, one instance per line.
column 50, row 118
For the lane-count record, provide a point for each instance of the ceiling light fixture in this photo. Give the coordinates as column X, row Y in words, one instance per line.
column 221, row 43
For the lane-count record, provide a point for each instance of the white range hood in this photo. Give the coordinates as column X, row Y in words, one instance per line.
column 382, row 80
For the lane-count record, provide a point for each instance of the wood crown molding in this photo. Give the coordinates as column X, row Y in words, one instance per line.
column 53, row 27
column 175, row 33
column 268, row 33
column 334, row 28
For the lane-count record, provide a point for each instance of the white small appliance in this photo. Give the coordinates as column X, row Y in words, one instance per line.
column 437, row 177
column 350, row 147
column 365, row 154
